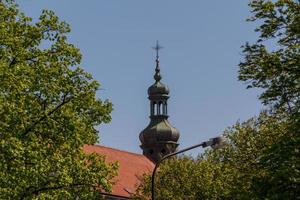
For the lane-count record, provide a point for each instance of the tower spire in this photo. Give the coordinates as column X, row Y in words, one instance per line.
column 157, row 75
column 157, row 48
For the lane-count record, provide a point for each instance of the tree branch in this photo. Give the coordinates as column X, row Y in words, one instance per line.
column 59, row 187
column 64, row 101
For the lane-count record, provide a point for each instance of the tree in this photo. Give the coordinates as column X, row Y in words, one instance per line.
column 48, row 111
column 281, row 166
column 275, row 68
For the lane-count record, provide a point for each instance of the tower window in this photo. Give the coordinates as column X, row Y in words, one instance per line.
column 153, row 108
column 151, row 151
column 160, row 108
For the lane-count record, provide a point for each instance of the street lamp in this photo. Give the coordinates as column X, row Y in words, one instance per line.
column 216, row 142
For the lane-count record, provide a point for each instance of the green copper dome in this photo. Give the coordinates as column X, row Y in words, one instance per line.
column 158, row 88
column 159, row 130
column 159, row 138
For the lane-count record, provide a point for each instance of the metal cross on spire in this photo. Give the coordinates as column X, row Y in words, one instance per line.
column 157, row 75
column 157, row 48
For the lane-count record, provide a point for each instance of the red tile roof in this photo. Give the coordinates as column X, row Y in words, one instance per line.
column 131, row 166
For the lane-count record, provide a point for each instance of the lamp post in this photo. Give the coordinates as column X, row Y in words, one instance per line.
column 216, row 142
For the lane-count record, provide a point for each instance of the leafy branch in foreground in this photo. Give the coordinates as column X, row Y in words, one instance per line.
column 48, row 111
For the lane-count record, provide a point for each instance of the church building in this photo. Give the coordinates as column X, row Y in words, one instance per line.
column 158, row 139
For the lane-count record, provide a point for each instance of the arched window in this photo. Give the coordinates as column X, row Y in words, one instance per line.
column 154, row 108
column 165, row 108
column 160, row 108
column 152, row 105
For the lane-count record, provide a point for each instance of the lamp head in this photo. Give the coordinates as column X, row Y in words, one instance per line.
column 218, row 142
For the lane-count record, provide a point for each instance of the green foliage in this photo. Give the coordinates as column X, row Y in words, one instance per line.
column 281, row 165
column 273, row 64
column 275, row 68
column 48, row 111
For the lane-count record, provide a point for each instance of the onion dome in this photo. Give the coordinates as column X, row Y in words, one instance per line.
column 158, row 88
column 159, row 138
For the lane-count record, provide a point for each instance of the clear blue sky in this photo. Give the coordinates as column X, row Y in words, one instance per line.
column 199, row 61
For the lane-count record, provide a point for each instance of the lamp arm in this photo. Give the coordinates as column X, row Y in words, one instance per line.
column 203, row 144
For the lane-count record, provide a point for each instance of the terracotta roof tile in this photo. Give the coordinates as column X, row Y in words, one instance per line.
column 131, row 166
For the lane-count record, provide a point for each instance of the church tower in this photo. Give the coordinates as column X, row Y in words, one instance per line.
column 159, row 138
